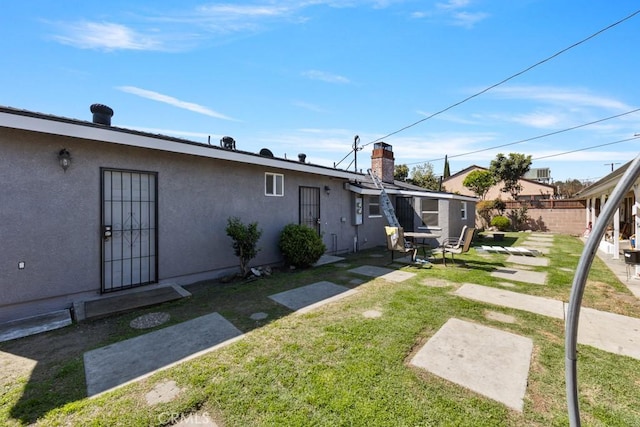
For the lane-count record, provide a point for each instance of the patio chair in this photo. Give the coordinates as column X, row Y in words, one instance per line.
column 460, row 245
column 397, row 243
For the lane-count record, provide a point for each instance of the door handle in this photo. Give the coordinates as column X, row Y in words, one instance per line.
column 106, row 232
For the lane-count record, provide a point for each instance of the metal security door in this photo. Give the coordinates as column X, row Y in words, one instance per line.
column 129, row 233
column 310, row 207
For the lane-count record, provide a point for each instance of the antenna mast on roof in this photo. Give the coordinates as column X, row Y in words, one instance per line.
column 356, row 140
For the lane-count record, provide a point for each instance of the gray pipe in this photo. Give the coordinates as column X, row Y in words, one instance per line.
column 577, row 290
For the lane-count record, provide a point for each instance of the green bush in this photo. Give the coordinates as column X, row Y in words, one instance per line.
column 245, row 238
column 502, row 223
column 300, row 245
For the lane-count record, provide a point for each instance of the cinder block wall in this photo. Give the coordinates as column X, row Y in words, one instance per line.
column 563, row 221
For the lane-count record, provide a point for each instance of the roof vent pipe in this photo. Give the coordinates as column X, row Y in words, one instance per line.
column 302, row 157
column 101, row 114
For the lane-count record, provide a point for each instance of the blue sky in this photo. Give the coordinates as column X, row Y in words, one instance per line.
column 307, row 76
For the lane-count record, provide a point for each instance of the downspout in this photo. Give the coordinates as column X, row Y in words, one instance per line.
column 579, row 280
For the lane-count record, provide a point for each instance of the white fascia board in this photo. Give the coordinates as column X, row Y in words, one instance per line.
column 114, row 135
column 448, row 196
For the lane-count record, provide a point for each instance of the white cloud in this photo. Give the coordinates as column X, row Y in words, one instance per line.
column 325, row 77
column 155, row 96
column 453, row 12
column 468, row 19
column 538, row 120
column 567, row 97
column 106, row 36
column 453, row 4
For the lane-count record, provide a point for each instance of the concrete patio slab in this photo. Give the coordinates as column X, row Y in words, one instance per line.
column 384, row 273
column 489, row 361
column 534, row 277
column 130, row 360
column 311, row 296
column 539, row 305
column 533, row 261
column 32, row 325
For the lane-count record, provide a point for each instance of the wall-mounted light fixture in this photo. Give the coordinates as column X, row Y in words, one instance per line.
column 64, row 157
column 327, row 189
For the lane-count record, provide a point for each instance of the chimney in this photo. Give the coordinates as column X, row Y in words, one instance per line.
column 302, row 157
column 382, row 161
column 101, row 114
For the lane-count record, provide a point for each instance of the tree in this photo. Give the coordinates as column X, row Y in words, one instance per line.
column 510, row 170
column 569, row 187
column 423, row 176
column 245, row 239
column 447, row 172
column 480, row 181
column 401, row 172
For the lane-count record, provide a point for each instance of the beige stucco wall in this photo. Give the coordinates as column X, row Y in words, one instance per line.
column 529, row 188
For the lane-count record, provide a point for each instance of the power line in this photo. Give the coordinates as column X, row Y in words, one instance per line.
column 588, row 148
column 532, row 138
column 508, row 78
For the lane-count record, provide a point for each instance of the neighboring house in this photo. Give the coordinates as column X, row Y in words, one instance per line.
column 625, row 222
column 87, row 208
column 531, row 189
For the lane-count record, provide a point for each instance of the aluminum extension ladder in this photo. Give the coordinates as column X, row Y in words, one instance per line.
column 385, row 202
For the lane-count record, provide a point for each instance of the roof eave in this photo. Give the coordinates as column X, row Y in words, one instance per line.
column 113, row 135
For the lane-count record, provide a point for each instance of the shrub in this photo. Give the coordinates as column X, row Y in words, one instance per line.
column 245, row 238
column 519, row 217
column 300, row 245
column 502, row 223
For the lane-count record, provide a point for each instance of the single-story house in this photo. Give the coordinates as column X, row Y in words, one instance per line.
column 626, row 221
column 531, row 189
column 88, row 208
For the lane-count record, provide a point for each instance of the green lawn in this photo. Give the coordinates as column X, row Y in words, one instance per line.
column 334, row 366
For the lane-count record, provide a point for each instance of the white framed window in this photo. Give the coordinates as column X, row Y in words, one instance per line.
column 374, row 206
column 463, row 210
column 273, row 184
column 429, row 212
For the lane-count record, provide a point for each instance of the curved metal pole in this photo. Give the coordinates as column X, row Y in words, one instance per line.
column 579, row 280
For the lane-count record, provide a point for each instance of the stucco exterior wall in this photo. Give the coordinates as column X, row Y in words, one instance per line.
column 454, row 184
column 51, row 219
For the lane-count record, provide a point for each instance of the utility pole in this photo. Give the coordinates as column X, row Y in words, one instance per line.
column 606, row 164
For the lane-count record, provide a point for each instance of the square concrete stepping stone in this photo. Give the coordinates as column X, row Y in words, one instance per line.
column 536, row 244
column 539, row 249
column 610, row 332
column 489, row 361
column 533, row 304
column 541, row 238
column 533, row 277
column 526, row 260
column 312, row 295
column 384, row 273
column 327, row 259
column 125, row 361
